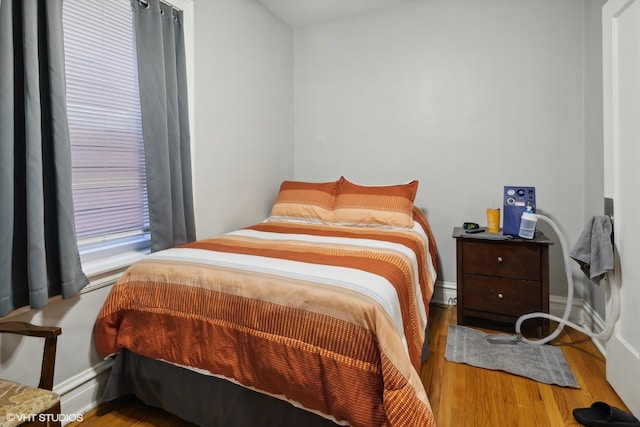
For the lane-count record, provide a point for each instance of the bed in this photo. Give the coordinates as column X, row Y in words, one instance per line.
column 315, row 316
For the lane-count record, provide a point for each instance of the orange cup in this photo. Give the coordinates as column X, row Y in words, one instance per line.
column 493, row 220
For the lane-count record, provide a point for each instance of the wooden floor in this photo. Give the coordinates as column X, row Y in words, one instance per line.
column 129, row 412
column 460, row 395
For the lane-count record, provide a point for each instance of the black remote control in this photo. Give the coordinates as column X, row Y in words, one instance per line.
column 478, row 230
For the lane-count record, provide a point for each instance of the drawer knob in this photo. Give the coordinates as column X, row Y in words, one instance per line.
column 500, row 296
column 499, row 259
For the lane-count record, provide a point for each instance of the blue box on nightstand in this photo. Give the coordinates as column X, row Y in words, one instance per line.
column 516, row 201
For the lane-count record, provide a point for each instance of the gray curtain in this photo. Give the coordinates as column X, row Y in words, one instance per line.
column 165, row 122
column 38, row 249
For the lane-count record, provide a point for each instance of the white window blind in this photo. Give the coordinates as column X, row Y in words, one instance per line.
column 109, row 181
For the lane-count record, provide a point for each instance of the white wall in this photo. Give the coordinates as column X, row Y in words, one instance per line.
column 77, row 361
column 464, row 96
column 244, row 113
column 243, row 149
column 594, row 166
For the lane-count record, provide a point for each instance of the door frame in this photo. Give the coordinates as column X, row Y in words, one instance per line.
column 623, row 355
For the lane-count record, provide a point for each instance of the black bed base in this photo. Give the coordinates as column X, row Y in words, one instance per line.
column 201, row 399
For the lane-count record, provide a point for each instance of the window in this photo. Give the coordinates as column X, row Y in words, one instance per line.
column 108, row 167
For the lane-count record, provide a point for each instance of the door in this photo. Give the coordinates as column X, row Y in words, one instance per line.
column 621, row 91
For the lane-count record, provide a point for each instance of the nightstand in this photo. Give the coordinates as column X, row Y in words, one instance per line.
column 501, row 278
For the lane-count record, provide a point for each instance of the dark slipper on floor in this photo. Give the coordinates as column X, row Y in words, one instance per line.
column 601, row 414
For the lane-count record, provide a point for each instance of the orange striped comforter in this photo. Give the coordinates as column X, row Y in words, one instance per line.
column 331, row 319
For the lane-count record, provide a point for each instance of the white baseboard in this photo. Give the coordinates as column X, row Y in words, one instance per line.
column 593, row 322
column 83, row 392
column 557, row 306
column 625, row 380
column 444, row 293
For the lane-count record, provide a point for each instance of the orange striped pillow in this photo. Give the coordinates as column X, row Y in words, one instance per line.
column 390, row 205
column 305, row 200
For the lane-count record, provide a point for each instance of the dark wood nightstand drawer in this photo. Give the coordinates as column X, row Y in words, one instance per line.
column 501, row 278
column 500, row 295
column 503, row 260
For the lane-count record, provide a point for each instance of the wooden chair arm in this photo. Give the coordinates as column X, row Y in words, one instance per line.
column 50, row 334
column 27, row 329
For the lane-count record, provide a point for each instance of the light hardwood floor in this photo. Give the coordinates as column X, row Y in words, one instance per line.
column 460, row 395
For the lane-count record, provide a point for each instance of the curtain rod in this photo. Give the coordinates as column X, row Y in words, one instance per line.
column 145, row 3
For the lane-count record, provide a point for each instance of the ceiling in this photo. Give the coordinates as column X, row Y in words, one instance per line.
column 302, row 13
